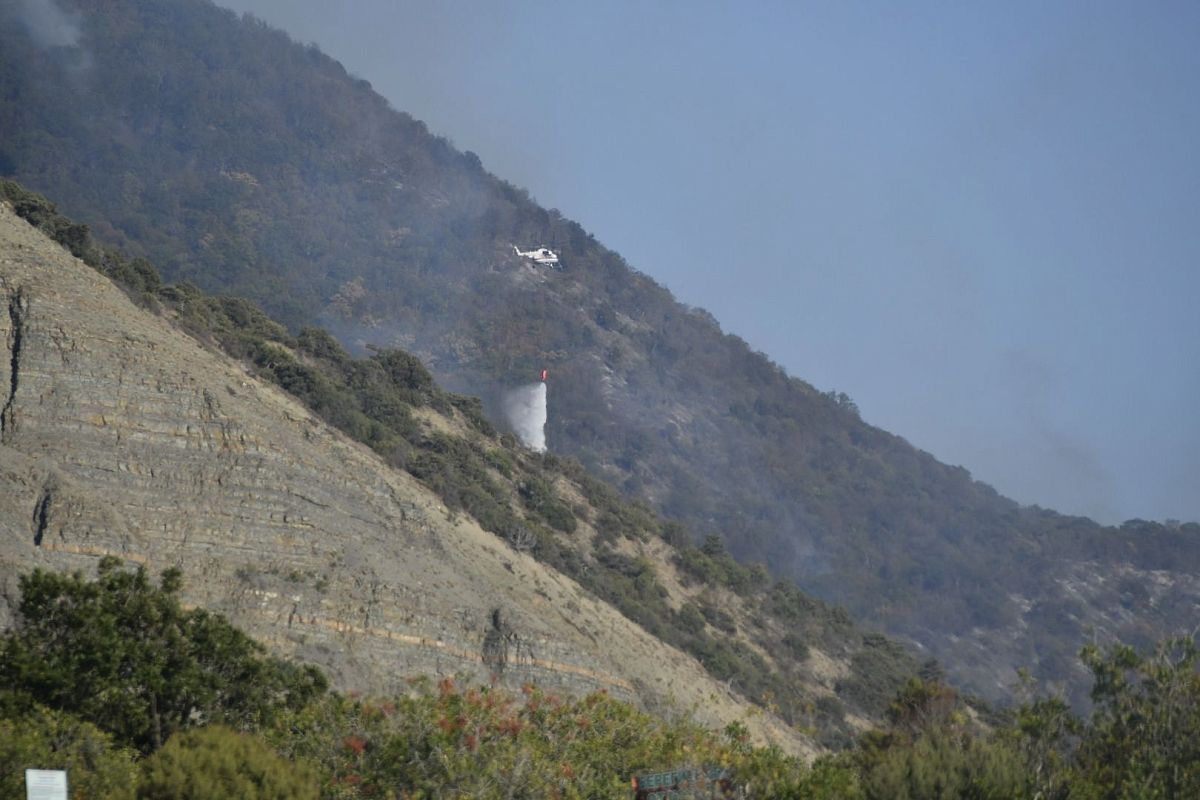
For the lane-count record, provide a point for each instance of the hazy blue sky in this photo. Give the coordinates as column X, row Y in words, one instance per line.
column 981, row 222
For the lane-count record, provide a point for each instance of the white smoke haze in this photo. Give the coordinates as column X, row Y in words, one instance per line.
column 525, row 408
column 48, row 24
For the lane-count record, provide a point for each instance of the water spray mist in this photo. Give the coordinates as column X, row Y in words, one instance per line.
column 525, row 408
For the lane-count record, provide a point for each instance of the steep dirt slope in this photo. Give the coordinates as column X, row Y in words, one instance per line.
column 122, row 435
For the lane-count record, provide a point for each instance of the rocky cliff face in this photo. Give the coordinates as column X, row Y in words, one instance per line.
column 121, row 435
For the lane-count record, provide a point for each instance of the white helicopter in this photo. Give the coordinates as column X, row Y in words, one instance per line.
column 543, row 256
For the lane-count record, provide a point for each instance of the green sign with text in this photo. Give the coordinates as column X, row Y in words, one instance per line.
column 683, row 784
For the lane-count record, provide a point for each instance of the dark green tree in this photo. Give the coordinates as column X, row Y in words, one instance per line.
column 1144, row 736
column 125, row 655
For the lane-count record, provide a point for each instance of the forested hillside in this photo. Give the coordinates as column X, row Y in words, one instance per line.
column 245, row 163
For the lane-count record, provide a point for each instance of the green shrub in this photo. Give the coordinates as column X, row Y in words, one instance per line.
column 487, row 743
column 718, row 618
column 946, row 765
column 46, row 739
column 877, row 673
column 690, row 620
column 795, row 646
column 539, row 498
column 408, row 375
column 217, row 763
column 320, row 343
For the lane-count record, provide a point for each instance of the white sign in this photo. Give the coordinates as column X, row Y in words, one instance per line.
column 45, row 784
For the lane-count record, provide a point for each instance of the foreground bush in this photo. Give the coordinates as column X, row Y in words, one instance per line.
column 95, row 671
column 487, row 743
column 46, row 739
column 216, row 763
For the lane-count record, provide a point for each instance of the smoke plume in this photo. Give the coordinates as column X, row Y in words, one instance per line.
column 525, row 408
column 48, row 24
